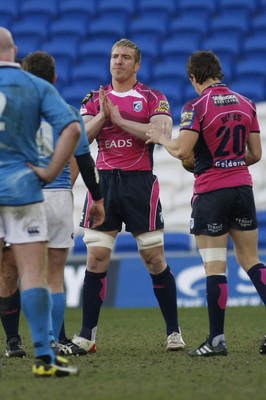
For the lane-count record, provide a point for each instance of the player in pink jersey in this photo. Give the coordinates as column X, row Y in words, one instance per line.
column 117, row 116
column 221, row 128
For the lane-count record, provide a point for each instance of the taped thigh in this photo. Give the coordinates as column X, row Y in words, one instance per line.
column 213, row 254
column 93, row 238
column 148, row 240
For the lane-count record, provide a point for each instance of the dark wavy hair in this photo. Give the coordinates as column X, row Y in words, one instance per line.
column 41, row 64
column 204, row 65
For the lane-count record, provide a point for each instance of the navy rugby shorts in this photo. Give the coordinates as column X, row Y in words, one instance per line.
column 132, row 198
column 215, row 213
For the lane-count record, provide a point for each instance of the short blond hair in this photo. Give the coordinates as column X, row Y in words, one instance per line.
column 131, row 45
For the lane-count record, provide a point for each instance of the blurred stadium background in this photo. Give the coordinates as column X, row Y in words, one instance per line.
column 80, row 34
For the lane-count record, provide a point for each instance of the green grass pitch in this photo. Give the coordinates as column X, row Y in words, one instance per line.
column 131, row 362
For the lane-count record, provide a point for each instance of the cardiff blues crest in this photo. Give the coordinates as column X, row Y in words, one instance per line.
column 137, row 106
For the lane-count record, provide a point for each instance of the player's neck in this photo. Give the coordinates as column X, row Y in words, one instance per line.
column 207, row 83
column 123, row 86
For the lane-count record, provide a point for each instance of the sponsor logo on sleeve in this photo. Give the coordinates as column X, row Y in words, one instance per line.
column 187, row 118
column 163, row 107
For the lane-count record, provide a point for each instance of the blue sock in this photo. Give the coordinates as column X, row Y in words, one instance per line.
column 36, row 305
column 58, row 310
column 217, row 295
column 164, row 288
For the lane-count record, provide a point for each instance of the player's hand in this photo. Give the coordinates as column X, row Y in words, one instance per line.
column 156, row 132
column 114, row 112
column 103, row 103
column 97, row 214
column 42, row 173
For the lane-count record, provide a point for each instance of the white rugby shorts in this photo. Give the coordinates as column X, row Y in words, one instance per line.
column 23, row 224
column 59, row 213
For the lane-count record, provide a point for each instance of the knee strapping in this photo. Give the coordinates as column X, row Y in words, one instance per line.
column 148, row 240
column 93, row 238
column 213, row 254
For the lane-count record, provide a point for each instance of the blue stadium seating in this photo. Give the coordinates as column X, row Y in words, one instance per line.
column 122, row 8
column 63, row 66
column 96, row 50
column 255, row 45
column 34, row 24
column 10, row 8
column 77, row 8
column 89, row 70
column 144, row 73
column 226, row 44
column 192, row 5
column 70, row 24
column 253, row 87
column 108, row 26
column 262, row 5
column 229, row 21
column 182, row 23
column 168, row 70
column 189, row 92
column 173, row 91
column 47, row 7
column 6, row 21
column 152, row 23
column 179, row 47
column 236, row 5
column 27, row 44
column 75, row 93
column 168, row 7
column 149, row 45
column 250, row 67
column 66, row 45
column 258, row 23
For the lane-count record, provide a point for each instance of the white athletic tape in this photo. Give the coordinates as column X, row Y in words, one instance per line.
column 98, row 239
column 213, row 254
column 148, row 240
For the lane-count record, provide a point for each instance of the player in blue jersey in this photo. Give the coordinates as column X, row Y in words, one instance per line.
column 59, row 212
column 59, row 200
column 24, row 98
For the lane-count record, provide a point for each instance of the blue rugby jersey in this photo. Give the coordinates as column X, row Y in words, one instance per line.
column 46, row 141
column 23, row 99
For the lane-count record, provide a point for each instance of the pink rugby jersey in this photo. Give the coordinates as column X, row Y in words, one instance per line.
column 224, row 120
column 118, row 149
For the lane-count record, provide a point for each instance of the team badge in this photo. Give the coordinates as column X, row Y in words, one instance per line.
column 137, row 106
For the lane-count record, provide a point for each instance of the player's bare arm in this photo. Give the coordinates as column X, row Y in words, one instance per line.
column 179, row 147
column 137, row 129
column 93, row 125
column 65, row 147
column 254, row 150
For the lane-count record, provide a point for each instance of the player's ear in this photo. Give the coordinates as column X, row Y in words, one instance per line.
column 55, row 78
column 137, row 67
